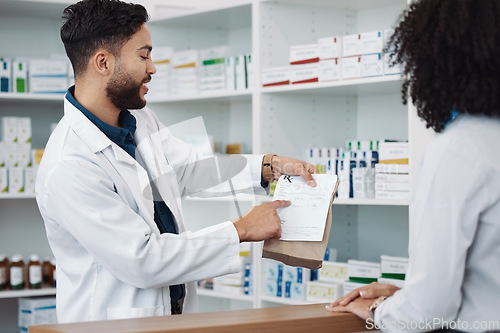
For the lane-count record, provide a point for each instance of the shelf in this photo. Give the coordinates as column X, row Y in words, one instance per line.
column 235, row 16
column 17, row 196
column 371, row 202
column 27, row 293
column 35, row 9
column 227, row 96
column 211, row 293
column 287, row 301
column 365, row 86
column 340, row 4
column 31, row 97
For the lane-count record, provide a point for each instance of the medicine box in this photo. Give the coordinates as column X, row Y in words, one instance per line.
column 392, row 178
column 363, row 269
column 329, row 70
column 10, row 155
column 23, row 154
column 330, row 48
column 5, row 75
column 393, row 265
column 23, row 125
column 9, row 129
column 393, row 152
column 333, row 272
column 323, row 292
column 42, row 84
column 29, row 179
column 20, row 76
column 351, row 45
column 395, row 282
column 4, row 181
column 37, row 311
column 275, row 76
column 48, row 68
column 240, row 72
column 372, row 65
column 304, row 73
column 351, row 67
column 386, row 186
column 372, row 42
column 16, row 180
column 2, row 154
column 183, row 59
column 392, row 168
column 304, row 54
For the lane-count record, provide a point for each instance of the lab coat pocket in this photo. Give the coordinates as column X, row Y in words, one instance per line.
column 124, row 313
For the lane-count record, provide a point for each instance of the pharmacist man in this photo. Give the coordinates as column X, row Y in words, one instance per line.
column 119, row 253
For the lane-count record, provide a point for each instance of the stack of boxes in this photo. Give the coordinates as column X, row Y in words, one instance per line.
column 18, row 162
column 327, row 286
column 36, row 311
column 160, row 81
column 335, row 58
column 360, row 273
column 213, row 69
column 366, row 169
column 392, row 172
column 240, row 283
column 393, row 270
column 199, row 71
column 37, row 76
column 285, row 281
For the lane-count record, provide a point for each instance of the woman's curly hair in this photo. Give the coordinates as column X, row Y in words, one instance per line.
column 450, row 50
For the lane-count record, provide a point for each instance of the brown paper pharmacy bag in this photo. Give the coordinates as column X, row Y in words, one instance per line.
column 299, row 253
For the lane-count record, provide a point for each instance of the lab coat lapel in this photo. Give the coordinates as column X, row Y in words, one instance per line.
column 115, row 159
column 150, row 149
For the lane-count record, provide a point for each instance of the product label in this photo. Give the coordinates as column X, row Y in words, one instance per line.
column 35, row 275
column 16, row 276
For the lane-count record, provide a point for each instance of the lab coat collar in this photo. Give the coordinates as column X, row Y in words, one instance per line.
column 96, row 140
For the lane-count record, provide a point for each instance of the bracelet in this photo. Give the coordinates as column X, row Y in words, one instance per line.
column 374, row 305
column 267, row 168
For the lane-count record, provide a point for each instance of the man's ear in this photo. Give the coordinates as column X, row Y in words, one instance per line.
column 102, row 62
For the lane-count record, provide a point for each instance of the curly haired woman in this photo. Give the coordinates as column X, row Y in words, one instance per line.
column 450, row 50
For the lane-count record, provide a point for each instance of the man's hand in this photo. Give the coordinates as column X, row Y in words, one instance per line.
column 261, row 222
column 292, row 167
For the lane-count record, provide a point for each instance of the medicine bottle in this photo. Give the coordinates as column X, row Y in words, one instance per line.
column 54, row 275
column 47, row 272
column 34, row 272
column 17, row 269
column 4, row 272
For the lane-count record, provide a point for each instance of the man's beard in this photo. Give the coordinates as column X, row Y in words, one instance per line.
column 123, row 91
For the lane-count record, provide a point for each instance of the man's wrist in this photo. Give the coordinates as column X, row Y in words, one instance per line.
column 267, row 168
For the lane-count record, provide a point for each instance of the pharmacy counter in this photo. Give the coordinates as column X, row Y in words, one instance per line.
column 297, row 318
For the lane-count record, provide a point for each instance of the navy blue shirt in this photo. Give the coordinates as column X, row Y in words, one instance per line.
column 124, row 137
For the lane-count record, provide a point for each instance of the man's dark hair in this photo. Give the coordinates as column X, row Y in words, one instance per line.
column 451, row 55
column 93, row 24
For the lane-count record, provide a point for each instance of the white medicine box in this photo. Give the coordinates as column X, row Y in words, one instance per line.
column 304, row 54
column 9, row 129
column 4, row 180
column 351, row 45
column 329, row 70
column 351, row 67
column 275, row 76
column 372, row 42
column 372, row 65
column 330, row 48
column 304, row 73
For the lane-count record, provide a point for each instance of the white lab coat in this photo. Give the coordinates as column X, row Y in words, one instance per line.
column 96, row 202
column 452, row 279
